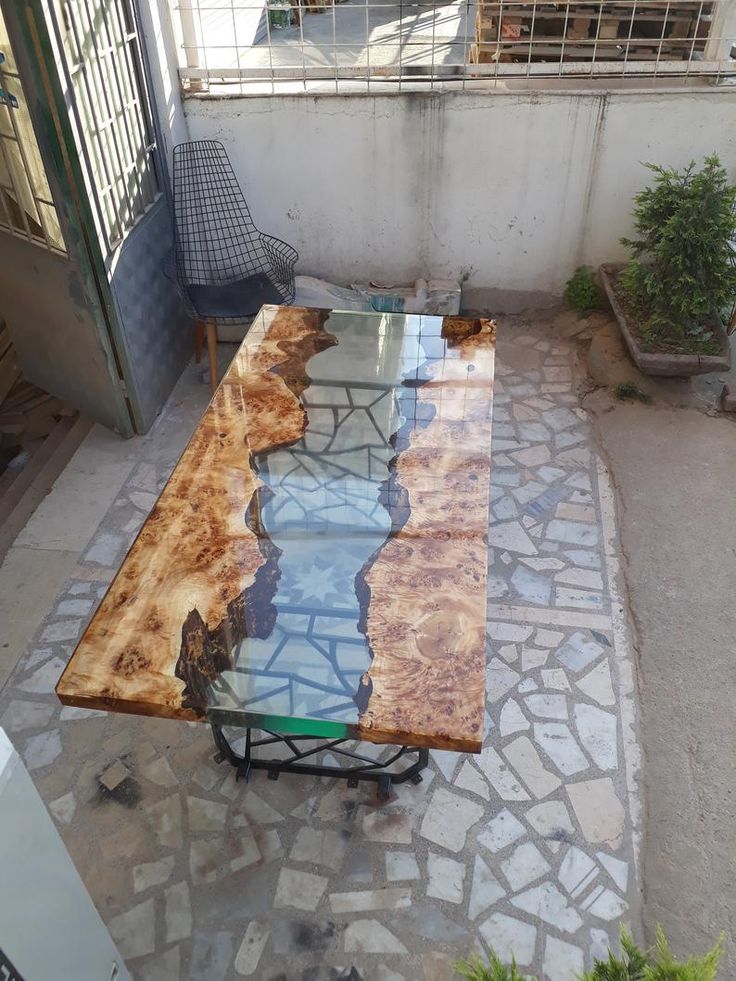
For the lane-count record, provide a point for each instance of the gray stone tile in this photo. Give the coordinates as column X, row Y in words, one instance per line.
column 618, row 870
column 522, row 755
column 446, row 878
column 556, row 679
column 21, row 714
column 599, row 811
column 319, row 847
column 607, row 905
column 106, row 549
column 401, row 867
column 510, row 938
column 598, row 734
column 531, row 587
column 503, row 779
column 512, row 719
column 579, row 651
column 502, row 830
column 548, row 904
column 485, row 889
column 251, row 948
column 366, row 900
column 206, row 815
column 135, row 931
column 562, row 960
column 551, row 820
column 41, row 750
column 500, row 679
column 165, row 967
column 572, row 532
column 301, row 890
column 547, row 706
column 511, row 536
column 212, row 956
column 149, row 874
column 63, row 808
column 556, row 740
column 73, row 608
column 371, row 937
column 159, row 772
column 62, row 630
column 448, row 819
column 391, row 824
column 578, row 599
column 471, row 780
column 165, row 819
column 427, row 920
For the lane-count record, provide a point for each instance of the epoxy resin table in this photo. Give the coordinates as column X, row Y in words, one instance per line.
column 317, row 563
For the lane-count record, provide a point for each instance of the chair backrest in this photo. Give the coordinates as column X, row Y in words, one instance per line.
column 214, row 235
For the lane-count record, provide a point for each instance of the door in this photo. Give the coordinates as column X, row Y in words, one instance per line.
column 50, row 294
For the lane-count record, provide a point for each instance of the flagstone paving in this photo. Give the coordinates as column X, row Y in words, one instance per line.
column 528, row 848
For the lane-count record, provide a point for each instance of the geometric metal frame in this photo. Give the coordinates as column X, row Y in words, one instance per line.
column 359, row 768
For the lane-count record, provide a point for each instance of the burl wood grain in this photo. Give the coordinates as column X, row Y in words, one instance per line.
column 423, row 594
column 198, row 577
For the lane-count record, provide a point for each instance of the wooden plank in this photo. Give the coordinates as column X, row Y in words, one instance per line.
column 4, row 340
column 9, row 372
column 36, row 479
column 190, row 623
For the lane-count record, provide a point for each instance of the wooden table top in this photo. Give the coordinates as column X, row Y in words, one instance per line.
column 317, row 562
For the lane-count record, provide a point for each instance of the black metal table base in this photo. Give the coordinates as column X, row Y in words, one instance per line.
column 358, row 767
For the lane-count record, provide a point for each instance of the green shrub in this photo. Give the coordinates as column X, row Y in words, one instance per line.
column 494, row 970
column 682, row 273
column 627, row 390
column 658, row 964
column 582, row 291
column 634, row 964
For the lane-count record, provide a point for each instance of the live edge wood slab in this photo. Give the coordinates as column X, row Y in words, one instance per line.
column 199, row 592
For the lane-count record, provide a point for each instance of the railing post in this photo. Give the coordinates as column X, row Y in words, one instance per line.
column 189, row 39
column 722, row 35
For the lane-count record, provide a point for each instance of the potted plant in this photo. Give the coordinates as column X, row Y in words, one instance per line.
column 669, row 299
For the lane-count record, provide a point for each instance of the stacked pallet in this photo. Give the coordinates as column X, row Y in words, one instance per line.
column 521, row 31
column 27, row 413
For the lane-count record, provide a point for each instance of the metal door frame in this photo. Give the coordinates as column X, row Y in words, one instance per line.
column 33, row 47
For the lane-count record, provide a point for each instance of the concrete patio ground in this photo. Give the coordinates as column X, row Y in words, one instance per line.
column 531, row 847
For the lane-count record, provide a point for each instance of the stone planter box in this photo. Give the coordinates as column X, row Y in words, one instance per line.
column 652, row 363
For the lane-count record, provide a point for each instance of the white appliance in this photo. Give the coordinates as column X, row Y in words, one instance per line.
column 49, row 927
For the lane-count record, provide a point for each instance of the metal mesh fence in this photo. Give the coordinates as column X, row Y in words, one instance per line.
column 248, row 46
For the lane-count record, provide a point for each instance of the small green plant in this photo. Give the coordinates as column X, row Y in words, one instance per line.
column 658, row 964
column 633, row 964
column 682, row 274
column 628, row 391
column 494, row 970
column 582, row 291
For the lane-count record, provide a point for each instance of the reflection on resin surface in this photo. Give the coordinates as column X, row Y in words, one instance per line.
column 326, row 516
column 317, row 562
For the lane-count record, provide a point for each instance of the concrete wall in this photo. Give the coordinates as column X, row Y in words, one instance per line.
column 509, row 190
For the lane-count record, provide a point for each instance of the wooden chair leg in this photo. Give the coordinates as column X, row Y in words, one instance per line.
column 212, row 351
column 198, row 340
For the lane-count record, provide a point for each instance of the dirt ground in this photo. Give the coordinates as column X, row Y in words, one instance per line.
column 674, row 471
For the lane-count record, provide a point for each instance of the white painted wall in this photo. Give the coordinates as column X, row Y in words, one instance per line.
column 510, row 190
column 158, row 38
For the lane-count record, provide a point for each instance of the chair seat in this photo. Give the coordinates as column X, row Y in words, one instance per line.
column 243, row 298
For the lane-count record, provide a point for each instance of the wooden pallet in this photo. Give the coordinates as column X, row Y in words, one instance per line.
column 583, row 31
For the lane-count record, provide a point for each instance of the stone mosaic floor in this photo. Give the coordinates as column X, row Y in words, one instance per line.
column 529, row 848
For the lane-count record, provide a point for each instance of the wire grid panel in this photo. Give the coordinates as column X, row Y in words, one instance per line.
column 26, row 206
column 231, row 46
column 216, row 239
column 98, row 47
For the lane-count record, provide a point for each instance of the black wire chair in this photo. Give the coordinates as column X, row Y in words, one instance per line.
column 226, row 269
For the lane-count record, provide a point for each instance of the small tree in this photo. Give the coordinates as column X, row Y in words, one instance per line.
column 683, row 271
